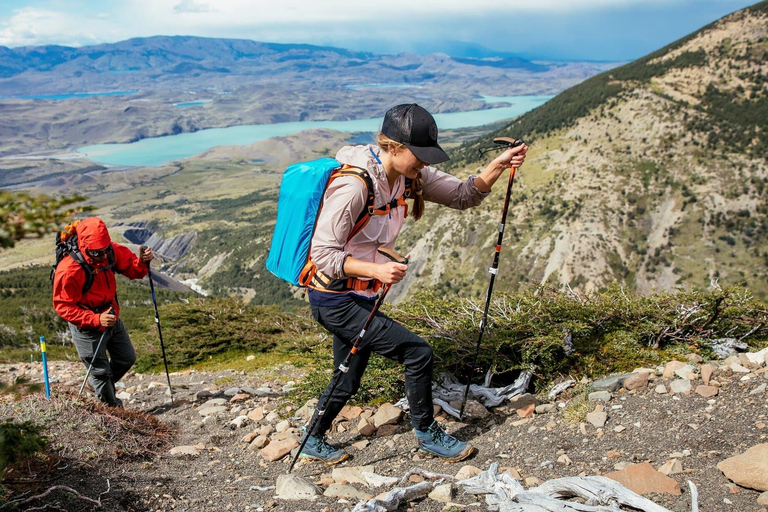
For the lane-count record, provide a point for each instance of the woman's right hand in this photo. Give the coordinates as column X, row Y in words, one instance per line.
column 391, row 272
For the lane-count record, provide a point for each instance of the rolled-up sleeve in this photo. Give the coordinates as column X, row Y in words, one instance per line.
column 442, row 188
column 343, row 203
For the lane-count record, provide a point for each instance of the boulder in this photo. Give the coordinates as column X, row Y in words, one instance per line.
column 278, row 449
column 387, row 414
column 643, row 479
column 295, row 487
column 750, row 469
column 636, row 381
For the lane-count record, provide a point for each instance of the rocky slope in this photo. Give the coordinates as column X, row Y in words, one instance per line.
column 652, row 174
column 652, row 430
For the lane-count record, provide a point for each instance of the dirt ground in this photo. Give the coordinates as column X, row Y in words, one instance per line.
column 225, row 475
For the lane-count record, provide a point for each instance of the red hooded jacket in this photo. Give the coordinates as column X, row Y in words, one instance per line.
column 68, row 299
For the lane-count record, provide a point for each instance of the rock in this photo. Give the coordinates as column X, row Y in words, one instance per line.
column 600, row 396
column 512, row 472
column 672, row 467
column 344, row 491
column 610, row 383
column 180, row 451
column 210, row 411
column 240, row 397
column 265, row 391
column 685, row 372
column 472, row 409
column 266, row 430
column 661, row 389
column 526, row 411
column 454, row 507
column 283, row 426
column 278, row 449
column 533, row 481
column 295, row 487
column 352, row 474
column 643, row 479
column 306, row 411
column 707, row 370
column 350, row 412
column 231, row 392
column 759, row 389
column 442, row 493
column 545, row 408
column 707, row 391
column 247, row 438
column 519, row 401
column 251, row 358
column 750, row 469
column 258, row 443
column 256, row 415
column 214, row 402
column 737, row 368
column 597, row 418
column 694, row 358
column 387, row 414
column 763, row 499
column 238, row 422
column 636, row 381
column 272, row 417
column 365, row 428
column 467, row 472
column 680, row 386
column 375, row 480
column 564, row 459
column 671, row 368
column 248, row 390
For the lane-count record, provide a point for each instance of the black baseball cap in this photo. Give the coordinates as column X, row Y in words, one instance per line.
column 414, row 127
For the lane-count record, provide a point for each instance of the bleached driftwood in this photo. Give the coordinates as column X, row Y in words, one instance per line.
column 724, row 347
column 504, row 494
column 694, row 497
column 559, row 388
column 450, row 390
column 391, row 500
column 427, row 475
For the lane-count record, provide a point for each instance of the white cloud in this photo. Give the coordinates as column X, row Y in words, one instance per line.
column 32, row 27
column 193, row 6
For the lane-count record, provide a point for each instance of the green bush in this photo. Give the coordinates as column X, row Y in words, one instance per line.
column 19, row 440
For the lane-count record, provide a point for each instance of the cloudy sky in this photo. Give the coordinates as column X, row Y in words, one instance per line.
column 550, row 29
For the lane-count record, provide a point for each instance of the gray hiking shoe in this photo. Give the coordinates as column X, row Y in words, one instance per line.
column 317, row 448
column 434, row 441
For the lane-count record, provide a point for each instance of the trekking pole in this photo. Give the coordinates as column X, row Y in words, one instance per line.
column 96, row 353
column 504, row 143
column 344, row 366
column 159, row 329
column 45, row 369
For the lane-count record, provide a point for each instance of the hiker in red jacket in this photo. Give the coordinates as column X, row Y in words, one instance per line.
column 84, row 294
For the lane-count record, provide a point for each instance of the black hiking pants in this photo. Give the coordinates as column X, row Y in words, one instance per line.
column 384, row 337
column 106, row 370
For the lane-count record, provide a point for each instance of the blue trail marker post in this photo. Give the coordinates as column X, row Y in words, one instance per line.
column 45, row 368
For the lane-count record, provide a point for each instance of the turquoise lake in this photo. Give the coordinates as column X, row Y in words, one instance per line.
column 59, row 97
column 160, row 150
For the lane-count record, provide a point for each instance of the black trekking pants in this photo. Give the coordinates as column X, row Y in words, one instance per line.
column 384, row 337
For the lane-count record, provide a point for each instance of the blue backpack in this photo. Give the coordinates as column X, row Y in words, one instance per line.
column 301, row 197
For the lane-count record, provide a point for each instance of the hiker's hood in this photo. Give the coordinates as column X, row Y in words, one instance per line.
column 92, row 233
column 361, row 156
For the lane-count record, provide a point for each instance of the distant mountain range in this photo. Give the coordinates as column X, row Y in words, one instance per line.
column 165, row 58
column 242, row 82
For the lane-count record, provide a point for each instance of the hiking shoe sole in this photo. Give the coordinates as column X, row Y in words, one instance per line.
column 327, row 463
column 458, row 458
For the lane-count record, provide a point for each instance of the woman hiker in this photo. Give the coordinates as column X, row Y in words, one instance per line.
column 89, row 304
column 349, row 272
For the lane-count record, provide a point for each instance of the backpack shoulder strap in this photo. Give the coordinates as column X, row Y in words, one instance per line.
column 363, row 176
column 76, row 255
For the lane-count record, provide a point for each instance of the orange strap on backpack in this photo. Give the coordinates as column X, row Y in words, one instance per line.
column 311, row 277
